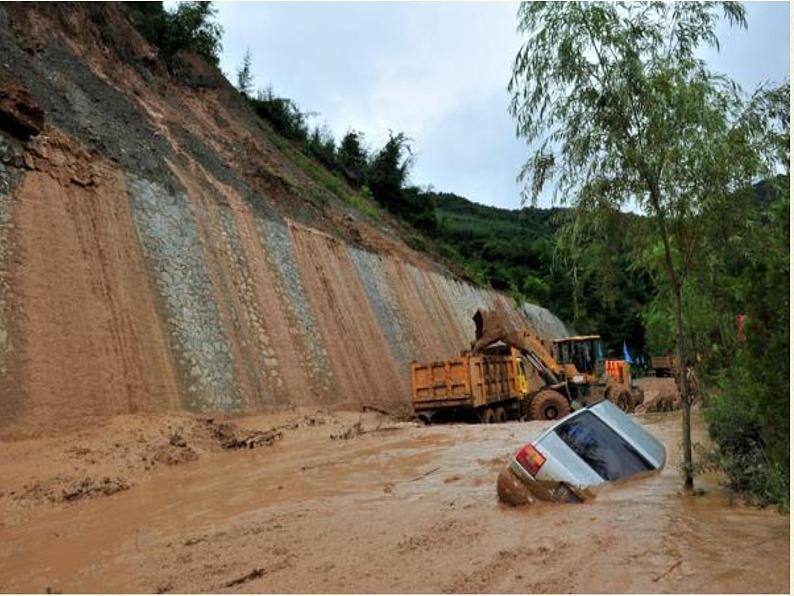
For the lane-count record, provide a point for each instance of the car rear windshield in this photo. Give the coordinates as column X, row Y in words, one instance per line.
column 609, row 454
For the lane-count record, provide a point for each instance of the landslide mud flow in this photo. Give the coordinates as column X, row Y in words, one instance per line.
column 359, row 503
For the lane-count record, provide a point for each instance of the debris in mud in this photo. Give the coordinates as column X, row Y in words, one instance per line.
column 78, row 451
column 358, row 429
column 350, row 432
column 175, row 452
column 255, row 574
column 67, row 489
column 424, row 474
column 396, row 416
column 230, row 436
column 89, row 487
column 661, row 395
column 670, row 570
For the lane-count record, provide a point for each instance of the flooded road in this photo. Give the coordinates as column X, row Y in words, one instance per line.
column 407, row 509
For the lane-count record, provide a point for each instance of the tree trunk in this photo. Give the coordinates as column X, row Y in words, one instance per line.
column 683, row 388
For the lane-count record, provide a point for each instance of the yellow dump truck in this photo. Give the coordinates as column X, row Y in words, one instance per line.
column 487, row 387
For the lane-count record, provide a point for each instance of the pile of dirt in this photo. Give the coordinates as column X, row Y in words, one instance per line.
column 231, row 436
column 661, row 394
column 175, row 452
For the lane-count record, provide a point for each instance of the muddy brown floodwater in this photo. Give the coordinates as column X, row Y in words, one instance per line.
column 401, row 509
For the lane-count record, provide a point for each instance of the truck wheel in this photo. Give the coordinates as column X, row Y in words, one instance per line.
column 549, row 405
column 487, row 416
column 501, row 415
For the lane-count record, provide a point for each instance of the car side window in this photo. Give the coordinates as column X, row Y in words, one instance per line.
column 604, row 450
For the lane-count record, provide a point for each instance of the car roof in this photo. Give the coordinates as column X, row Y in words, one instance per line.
column 573, row 414
column 656, row 455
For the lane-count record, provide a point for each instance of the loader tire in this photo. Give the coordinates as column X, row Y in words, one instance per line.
column 487, row 416
column 501, row 415
column 548, row 405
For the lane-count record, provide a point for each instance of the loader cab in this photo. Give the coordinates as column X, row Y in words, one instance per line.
column 585, row 352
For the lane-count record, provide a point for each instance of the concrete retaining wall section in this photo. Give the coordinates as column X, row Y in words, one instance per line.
column 175, row 257
column 302, row 323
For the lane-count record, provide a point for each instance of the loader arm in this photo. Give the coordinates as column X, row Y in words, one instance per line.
column 491, row 327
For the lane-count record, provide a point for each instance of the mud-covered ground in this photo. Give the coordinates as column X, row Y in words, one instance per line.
column 314, row 501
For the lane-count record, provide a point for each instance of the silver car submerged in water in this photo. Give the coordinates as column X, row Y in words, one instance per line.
column 567, row 462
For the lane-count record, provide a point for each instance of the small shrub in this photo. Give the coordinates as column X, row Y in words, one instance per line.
column 282, row 113
column 189, row 26
column 743, row 448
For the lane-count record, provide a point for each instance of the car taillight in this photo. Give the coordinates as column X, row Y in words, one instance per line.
column 530, row 459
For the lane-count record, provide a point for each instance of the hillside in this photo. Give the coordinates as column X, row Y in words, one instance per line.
column 507, row 249
column 519, row 251
column 163, row 248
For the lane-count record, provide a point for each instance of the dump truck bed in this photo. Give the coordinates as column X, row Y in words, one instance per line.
column 466, row 381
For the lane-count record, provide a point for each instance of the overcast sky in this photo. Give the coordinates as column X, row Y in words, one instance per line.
column 438, row 72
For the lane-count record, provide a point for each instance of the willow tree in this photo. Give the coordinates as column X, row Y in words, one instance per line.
column 620, row 112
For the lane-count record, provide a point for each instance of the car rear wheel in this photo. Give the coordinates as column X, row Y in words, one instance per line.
column 501, row 415
column 549, row 405
column 487, row 416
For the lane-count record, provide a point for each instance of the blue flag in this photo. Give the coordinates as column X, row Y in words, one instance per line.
column 626, row 356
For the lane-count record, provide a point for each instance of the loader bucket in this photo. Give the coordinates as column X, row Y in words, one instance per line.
column 490, row 328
